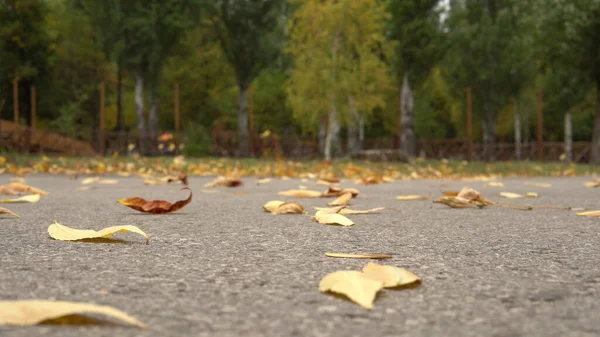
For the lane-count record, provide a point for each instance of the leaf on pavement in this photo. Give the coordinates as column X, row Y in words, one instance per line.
column 352, row 284
column 22, row 188
column 26, row 199
column 494, row 184
column 450, row 193
column 90, row 180
column 272, row 205
column 359, row 256
column 31, row 312
column 592, row 184
column 349, row 211
column 466, row 198
column 332, row 219
column 166, row 180
column 342, row 200
column 281, row 207
column 544, row 185
column 336, row 192
column 9, row 212
column 412, row 197
column 225, row 181
column 264, row 181
column 589, row 213
column 510, row 195
column 301, row 193
column 108, row 181
column 390, row 276
column 64, row 233
column 155, row 206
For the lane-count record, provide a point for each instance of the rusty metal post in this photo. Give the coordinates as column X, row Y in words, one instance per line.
column 540, row 126
column 469, row 131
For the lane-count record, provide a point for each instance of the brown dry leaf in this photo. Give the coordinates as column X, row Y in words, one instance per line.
column 26, row 199
column 332, row 219
column 64, row 233
column 327, row 182
column 155, row 206
column 225, row 181
column 301, row 193
column 450, row 193
column 7, row 190
column 352, row 284
column 589, row 213
column 31, row 312
column 454, row 202
column 336, row 192
column 544, row 185
column 466, row 198
column 288, row 208
column 9, row 212
column 494, row 184
column 272, row 205
column 166, row 180
column 411, row 197
column 22, row 188
column 390, row 276
column 359, row 256
column 342, row 200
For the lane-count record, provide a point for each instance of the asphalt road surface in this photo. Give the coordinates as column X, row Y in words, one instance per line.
column 223, row 267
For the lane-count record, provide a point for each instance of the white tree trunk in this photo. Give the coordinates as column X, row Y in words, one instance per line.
column 407, row 122
column 568, row 137
column 518, row 149
column 328, row 138
column 322, row 135
column 243, row 134
column 332, row 137
column 139, row 111
column 154, row 101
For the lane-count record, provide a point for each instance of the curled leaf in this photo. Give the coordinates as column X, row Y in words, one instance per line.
column 225, row 181
column 592, row 184
column 454, row 202
column 64, row 233
column 390, row 276
column 30, row 312
column 288, row 208
column 332, row 219
column 155, row 206
column 9, row 212
column 352, row 284
column 336, row 192
column 272, row 205
column 22, row 188
column 342, row 200
column 466, row 198
column 359, row 256
column 26, row 199
column 411, row 197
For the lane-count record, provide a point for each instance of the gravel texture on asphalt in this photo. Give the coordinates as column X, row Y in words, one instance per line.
column 223, row 267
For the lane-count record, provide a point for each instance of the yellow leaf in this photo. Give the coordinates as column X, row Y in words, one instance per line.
column 411, row 197
column 390, row 276
column 209, row 191
column 288, row 208
column 264, row 181
column 352, row 284
column 359, row 256
column 589, row 213
column 9, row 212
column 494, row 184
column 108, row 181
column 30, row 312
column 357, row 211
column 272, row 205
column 301, row 193
column 329, row 210
column 91, row 180
column 332, row 219
column 531, row 195
column 510, row 195
column 592, row 184
column 544, row 185
column 26, row 199
column 225, row 181
column 342, row 200
column 64, row 233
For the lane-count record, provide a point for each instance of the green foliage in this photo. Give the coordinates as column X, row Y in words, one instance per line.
column 198, row 141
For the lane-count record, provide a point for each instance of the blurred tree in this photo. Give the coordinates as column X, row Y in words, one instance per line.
column 339, row 73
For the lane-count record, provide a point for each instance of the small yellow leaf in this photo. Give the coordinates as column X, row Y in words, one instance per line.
column 544, row 185
column 494, row 184
column 411, row 197
column 390, row 276
column 90, row 180
column 510, row 195
column 272, row 205
column 30, row 312
column 288, row 208
column 329, row 210
column 592, row 184
column 26, row 199
column 64, row 233
column 108, row 181
column 9, row 212
column 225, row 181
column 332, row 219
column 264, row 181
column 359, row 256
column 301, row 193
column 342, row 200
column 589, row 213
column 357, row 211
column 531, row 195
column 352, row 284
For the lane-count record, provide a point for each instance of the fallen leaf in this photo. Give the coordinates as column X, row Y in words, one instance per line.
column 332, row 219
column 544, row 185
column 330, row 210
column 454, row 202
column 494, row 184
column 7, row 190
column 209, row 191
column 155, row 206
column 225, row 181
column 108, row 181
column 589, row 213
column 272, row 205
column 22, row 188
column 26, row 199
column 288, row 208
column 466, row 198
column 20, row 180
column 264, row 181
column 411, row 197
column 30, row 312
column 336, row 192
column 592, row 184
column 90, row 180
column 9, row 212
column 390, row 276
column 301, row 193
column 352, row 284
column 342, row 200
column 510, row 195
column 359, row 256
column 64, row 233
column 450, row 193
column 531, row 195
column 357, row 211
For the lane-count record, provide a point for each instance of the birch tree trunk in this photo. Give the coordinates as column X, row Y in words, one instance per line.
column 154, row 101
column 568, row 137
column 353, row 128
column 139, row 111
column 322, row 135
column 328, row 137
column 332, row 137
column 595, row 151
column 518, row 149
column 407, row 122
column 243, row 135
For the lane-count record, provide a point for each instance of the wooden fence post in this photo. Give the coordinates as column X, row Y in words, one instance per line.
column 469, row 131
column 33, row 106
column 176, row 105
column 101, row 135
column 540, row 126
